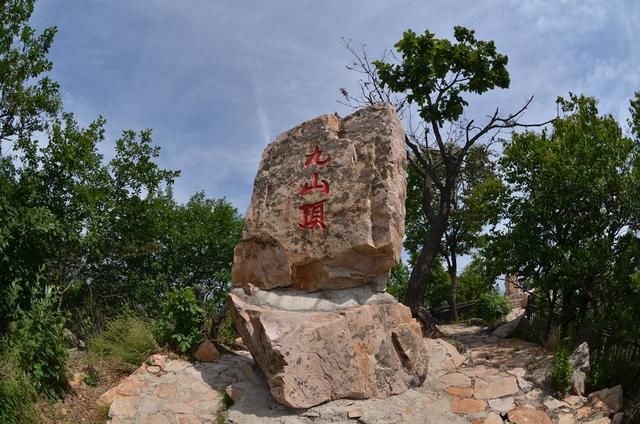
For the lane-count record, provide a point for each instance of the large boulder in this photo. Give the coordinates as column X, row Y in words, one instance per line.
column 327, row 209
column 338, row 350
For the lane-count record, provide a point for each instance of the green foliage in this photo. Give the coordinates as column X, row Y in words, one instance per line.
column 492, row 307
column 180, row 321
column 438, row 290
column 17, row 395
column 38, row 335
column 92, row 378
column 26, row 94
column 398, row 281
column 127, row 341
column 427, row 62
column 572, row 211
column 475, row 280
column 561, row 371
column 102, row 235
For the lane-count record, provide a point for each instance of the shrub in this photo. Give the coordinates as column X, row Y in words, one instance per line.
column 180, row 322
column 127, row 341
column 17, row 394
column 561, row 372
column 38, row 336
column 492, row 306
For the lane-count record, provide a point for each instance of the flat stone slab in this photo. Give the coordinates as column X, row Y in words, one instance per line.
column 319, row 301
column 456, row 379
column 523, row 415
column 503, row 386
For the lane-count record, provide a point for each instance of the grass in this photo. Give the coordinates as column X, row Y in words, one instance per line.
column 17, row 395
column 127, row 341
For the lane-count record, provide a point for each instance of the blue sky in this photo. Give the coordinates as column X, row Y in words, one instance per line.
column 216, row 80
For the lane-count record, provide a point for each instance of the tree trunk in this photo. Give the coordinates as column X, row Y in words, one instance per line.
column 421, row 277
column 453, row 275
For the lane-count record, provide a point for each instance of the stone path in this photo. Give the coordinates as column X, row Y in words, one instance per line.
column 494, row 381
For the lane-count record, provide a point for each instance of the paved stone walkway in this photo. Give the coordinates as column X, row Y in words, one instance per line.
column 494, row 381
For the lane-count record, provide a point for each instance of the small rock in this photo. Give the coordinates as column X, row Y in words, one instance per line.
column 518, row 372
column 535, row 394
column 502, row 405
column 553, row 403
column 207, row 352
column 234, row 393
column 522, row 415
column 459, row 391
column 493, row 418
column 566, row 419
column 525, row 385
column 611, row 397
column 585, row 411
column 456, row 379
column 578, row 381
column 154, row 369
column 574, row 401
column 500, row 387
column 603, row 420
column 354, row 414
column 477, row 321
column 505, row 330
column 158, row 360
column 467, row 406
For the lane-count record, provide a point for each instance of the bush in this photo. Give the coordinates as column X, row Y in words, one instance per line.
column 127, row 341
column 17, row 395
column 561, row 372
column 38, row 337
column 492, row 306
column 180, row 322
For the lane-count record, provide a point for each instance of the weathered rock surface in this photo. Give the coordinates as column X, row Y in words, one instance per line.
column 611, row 397
column 581, row 367
column 206, row 352
column 308, row 357
column 443, row 356
column 353, row 171
column 523, row 415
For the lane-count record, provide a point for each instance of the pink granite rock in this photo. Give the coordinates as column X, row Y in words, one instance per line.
column 309, row 357
column 327, row 209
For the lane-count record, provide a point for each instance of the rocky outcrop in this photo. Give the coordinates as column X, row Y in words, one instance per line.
column 374, row 349
column 327, row 209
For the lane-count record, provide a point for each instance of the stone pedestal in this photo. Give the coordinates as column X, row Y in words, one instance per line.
column 314, row 347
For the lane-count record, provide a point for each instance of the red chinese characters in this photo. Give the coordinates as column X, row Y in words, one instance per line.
column 313, row 213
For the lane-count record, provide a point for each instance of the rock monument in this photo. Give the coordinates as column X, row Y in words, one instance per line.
column 324, row 228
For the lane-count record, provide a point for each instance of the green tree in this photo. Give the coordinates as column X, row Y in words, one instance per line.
column 434, row 75
column 475, row 280
column 199, row 250
column 474, row 205
column 572, row 212
column 28, row 101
